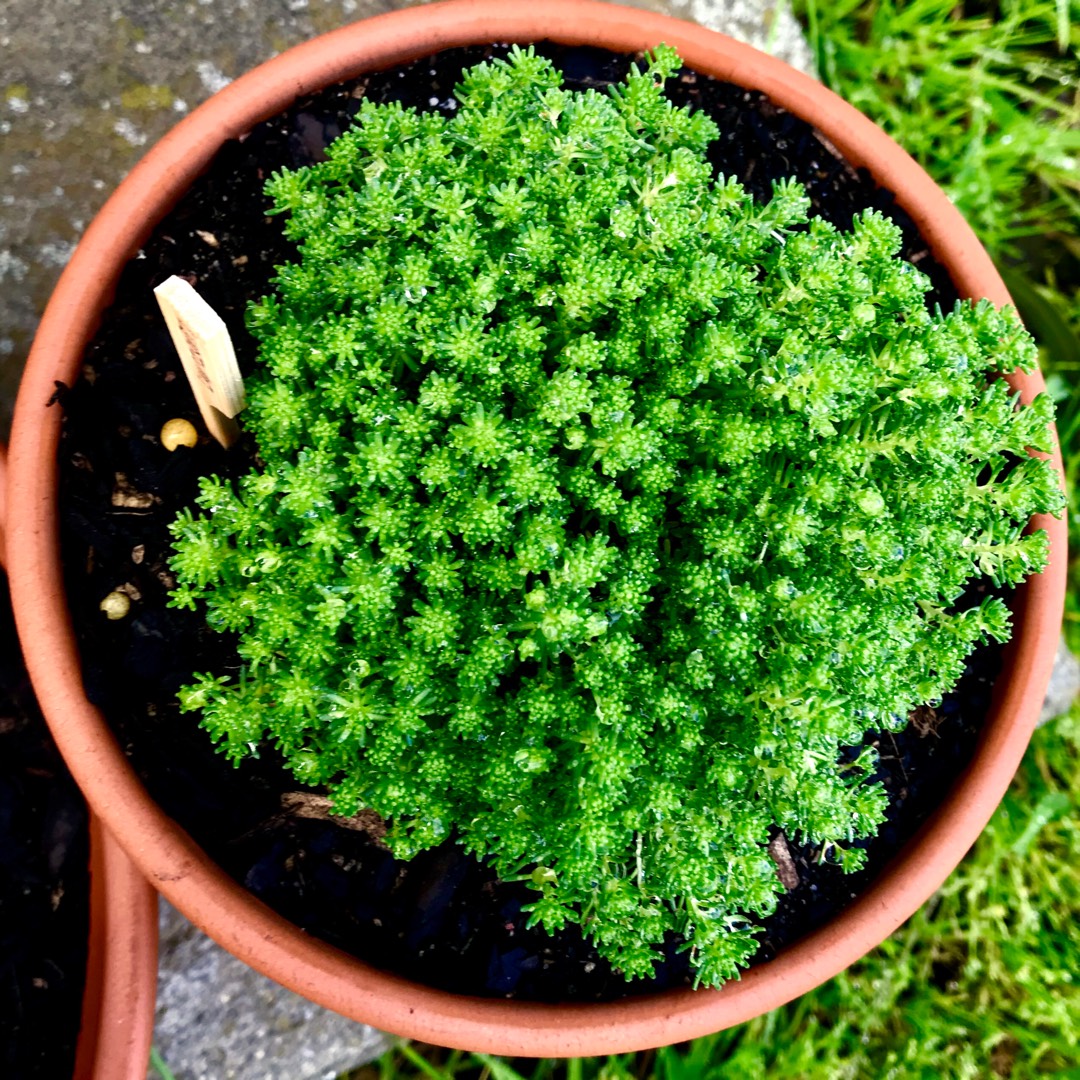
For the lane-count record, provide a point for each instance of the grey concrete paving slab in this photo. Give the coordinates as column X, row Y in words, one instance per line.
column 87, row 85
column 217, row 1019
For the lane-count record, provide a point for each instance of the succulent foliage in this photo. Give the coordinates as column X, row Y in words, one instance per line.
column 600, row 509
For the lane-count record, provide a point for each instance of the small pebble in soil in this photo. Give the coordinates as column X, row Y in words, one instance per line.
column 116, row 605
column 178, row 432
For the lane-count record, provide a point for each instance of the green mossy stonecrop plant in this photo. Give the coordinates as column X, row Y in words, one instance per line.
column 600, row 510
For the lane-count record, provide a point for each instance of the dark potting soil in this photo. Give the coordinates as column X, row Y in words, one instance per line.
column 442, row 919
column 44, row 883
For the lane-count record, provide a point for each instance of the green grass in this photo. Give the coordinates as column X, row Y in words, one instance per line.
column 983, row 96
column 158, row 1065
column 984, row 981
column 986, row 97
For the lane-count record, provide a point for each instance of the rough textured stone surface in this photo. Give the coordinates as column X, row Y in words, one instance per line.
column 219, row 1020
column 1064, row 684
column 87, row 85
column 766, row 24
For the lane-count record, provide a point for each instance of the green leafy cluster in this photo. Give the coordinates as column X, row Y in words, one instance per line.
column 986, row 97
column 979, row 984
column 599, row 508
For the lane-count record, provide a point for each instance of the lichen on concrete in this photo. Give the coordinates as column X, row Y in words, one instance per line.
column 86, row 88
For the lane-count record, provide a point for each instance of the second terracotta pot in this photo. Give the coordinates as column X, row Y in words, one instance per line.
column 116, row 1026
column 169, row 857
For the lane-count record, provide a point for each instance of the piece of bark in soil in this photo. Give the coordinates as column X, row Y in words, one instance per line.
column 125, row 495
column 307, row 804
column 780, row 854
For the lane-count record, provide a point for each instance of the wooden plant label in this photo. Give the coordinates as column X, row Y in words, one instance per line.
column 206, row 350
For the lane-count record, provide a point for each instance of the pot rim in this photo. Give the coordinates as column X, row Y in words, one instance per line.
column 171, row 859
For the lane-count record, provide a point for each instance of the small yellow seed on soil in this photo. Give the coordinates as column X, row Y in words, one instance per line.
column 116, row 605
column 178, row 433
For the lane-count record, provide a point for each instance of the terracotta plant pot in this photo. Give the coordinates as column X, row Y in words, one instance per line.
column 117, row 1021
column 169, row 857
column 121, row 969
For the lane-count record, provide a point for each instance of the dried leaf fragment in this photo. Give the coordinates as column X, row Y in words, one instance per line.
column 129, row 590
column 925, row 720
column 125, row 495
